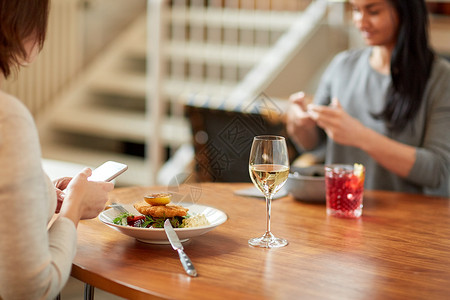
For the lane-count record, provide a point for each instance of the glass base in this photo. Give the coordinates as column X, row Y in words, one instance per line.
column 350, row 214
column 268, row 241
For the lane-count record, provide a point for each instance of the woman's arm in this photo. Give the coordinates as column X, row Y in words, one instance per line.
column 346, row 130
column 35, row 263
column 392, row 155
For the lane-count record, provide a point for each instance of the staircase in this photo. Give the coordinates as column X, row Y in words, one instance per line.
column 102, row 116
column 209, row 50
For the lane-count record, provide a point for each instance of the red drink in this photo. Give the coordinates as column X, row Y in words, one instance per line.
column 344, row 190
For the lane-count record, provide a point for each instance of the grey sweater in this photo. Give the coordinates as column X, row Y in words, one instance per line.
column 35, row 263
column 362, row 91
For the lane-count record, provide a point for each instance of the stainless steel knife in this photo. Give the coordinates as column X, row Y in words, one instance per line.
column 176, row 244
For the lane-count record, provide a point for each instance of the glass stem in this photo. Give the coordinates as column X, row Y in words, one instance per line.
column 268, row 209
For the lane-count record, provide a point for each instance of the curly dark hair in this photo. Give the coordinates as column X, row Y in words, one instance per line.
column 20, row 20
column 411, row 64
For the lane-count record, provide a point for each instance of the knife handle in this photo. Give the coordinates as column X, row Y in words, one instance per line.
column 187, row 264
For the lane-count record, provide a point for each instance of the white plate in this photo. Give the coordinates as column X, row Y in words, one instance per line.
column 158, row 235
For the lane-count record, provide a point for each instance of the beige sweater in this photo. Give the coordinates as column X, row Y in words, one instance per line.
column 35, row 262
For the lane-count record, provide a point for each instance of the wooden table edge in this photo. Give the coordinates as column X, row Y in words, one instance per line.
column 110, row 286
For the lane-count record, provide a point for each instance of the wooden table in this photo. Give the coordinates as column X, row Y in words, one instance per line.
column 398, row 249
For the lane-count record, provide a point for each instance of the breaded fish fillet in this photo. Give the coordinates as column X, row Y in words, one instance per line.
column 160, row 211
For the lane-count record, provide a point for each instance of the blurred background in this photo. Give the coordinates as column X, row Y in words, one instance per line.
column 156, row 84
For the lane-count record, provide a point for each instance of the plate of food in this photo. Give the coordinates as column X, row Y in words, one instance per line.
column 145, row 219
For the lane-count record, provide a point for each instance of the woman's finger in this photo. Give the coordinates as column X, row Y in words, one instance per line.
column 335, row 103
column 295, row 97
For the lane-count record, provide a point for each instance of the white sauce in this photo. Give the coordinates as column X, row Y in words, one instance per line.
column 195, row 221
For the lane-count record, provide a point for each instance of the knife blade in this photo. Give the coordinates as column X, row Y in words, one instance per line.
column 176, row 245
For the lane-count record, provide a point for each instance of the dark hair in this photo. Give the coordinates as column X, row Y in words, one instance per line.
column 20, row 20
column 411, row 64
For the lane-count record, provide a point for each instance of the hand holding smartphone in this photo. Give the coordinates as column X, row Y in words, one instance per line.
column 108, row 171
column 105, row 172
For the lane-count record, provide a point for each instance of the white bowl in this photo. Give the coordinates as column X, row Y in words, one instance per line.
column 307, row 184
column 158, row 235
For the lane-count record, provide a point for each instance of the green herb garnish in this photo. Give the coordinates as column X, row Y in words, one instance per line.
column 177, row 222
column 121, row 219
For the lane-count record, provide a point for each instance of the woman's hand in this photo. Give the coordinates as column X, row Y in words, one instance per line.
column 299, row 124
column 397, row 157
column 85, row 199
column 60, row 185
column 337, row 123
column 297, row 115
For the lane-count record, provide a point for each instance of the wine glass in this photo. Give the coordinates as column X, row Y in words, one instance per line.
column 269, row 170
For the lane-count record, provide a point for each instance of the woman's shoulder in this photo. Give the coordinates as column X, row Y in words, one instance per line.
column 440, row 74
column 352, row 56
column 438, row 83
column 11, row 106
column 349, row 59
column 441, row 67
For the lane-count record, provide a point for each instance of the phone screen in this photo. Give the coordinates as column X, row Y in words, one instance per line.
column 108, row 171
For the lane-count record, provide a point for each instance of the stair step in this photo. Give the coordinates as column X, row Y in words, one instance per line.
column 233, row 18
column 119, row 124
column 182, row 90
column 135, row 85
column 216, row 54
column 114, row 79
column 112, row 82
column 210, row 53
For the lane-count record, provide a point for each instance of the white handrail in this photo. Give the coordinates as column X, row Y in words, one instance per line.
column 155, row 103
column 284, row 50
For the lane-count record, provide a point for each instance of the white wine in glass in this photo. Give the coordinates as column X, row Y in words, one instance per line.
column 269, row 170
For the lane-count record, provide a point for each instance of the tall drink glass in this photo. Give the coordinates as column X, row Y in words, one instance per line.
column 344, row 190
column 269, row 170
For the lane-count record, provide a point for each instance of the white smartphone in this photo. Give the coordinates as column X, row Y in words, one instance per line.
column 108, row 171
